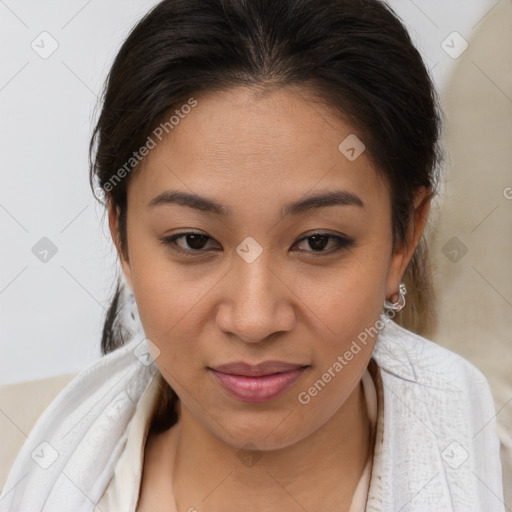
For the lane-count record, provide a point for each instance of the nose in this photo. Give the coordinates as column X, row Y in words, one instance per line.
column 256, row 302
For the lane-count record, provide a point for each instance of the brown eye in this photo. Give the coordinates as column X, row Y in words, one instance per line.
column 319, row 241
column 191, row 242
column 195, row 241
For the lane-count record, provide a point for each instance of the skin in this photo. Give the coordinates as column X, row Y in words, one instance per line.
column 254, row 153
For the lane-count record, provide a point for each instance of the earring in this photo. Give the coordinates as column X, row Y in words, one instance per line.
column 400, row 302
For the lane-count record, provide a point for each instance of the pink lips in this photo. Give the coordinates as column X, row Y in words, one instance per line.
column 257, row 383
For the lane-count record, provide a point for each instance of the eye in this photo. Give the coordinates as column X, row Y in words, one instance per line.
column 192, row 242
column 196, row 242
column 319, row 241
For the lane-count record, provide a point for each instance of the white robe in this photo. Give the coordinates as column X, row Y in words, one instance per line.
column 438, row 451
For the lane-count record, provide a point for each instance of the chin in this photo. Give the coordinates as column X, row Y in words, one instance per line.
column 264, row 433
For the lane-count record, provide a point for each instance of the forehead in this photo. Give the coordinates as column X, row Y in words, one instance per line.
column 269, row 143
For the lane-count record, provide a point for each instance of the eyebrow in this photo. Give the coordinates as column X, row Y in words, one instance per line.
column 313, row 202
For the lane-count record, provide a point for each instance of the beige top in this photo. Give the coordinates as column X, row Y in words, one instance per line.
column 122, row 492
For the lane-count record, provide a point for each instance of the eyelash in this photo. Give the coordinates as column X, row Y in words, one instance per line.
column 343, row 243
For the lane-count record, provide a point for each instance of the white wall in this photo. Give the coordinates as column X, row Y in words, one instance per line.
column 52, row 313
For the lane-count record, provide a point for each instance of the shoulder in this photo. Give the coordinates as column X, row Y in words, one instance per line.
column 426, row 382
column 439, row 419
column 410, row 357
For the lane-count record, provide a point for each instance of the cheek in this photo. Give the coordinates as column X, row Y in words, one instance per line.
column 173, row 314
column 347, row 299
column 346, row 309
column 173, row 318
column 170, row 299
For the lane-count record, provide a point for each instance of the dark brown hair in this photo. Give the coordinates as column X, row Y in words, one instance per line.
column 355, row 54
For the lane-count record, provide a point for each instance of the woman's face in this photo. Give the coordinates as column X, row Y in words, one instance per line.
column 273, row 274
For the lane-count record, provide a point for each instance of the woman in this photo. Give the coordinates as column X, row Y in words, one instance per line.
column 268, row 169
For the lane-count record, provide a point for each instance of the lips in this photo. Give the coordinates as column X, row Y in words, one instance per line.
column 265, row 368
column 257, row 383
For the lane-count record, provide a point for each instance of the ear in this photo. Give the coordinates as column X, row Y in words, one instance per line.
column 113, row 222
column 403, row 253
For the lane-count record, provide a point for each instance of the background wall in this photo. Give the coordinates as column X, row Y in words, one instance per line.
column 57, row 261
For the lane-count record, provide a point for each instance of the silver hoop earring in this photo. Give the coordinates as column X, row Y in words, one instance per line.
column 400, row 303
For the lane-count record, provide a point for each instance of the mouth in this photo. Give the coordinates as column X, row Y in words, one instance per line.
column 257, row 383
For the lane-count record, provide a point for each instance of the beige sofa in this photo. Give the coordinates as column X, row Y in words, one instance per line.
column 471, row 240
